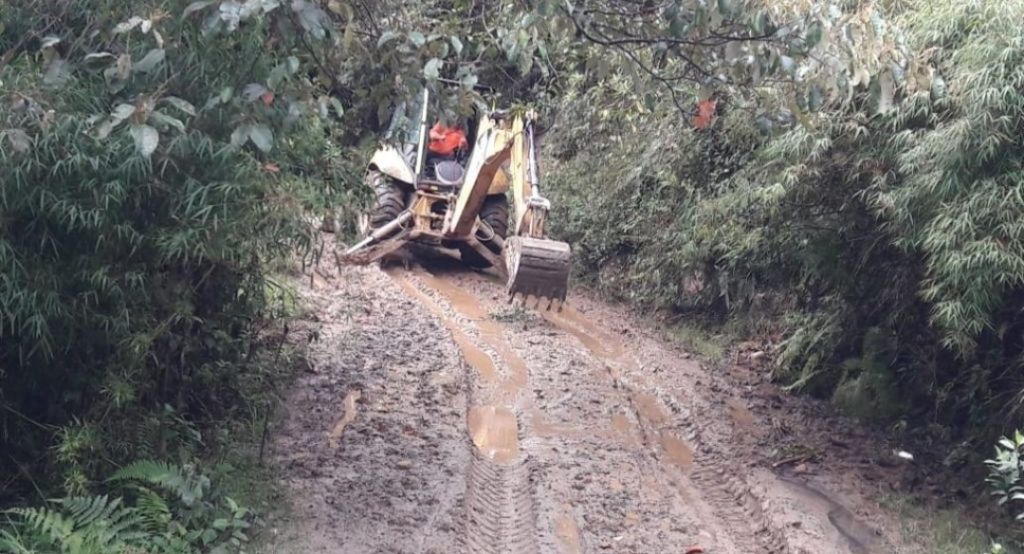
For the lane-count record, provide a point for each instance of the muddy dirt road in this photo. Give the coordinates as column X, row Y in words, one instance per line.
column 435, row 418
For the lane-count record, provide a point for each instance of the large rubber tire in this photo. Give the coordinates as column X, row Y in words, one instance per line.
column 495, row 214
column 389, row 200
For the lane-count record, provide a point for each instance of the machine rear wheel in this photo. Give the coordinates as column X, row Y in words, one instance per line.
column 494, row 213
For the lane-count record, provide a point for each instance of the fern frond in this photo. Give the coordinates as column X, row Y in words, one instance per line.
column 185, row 485
column 48, row 523
column 153, row 510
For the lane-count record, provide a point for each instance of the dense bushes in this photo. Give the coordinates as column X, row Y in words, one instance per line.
column 889, row 237
column 139, row 209
column 156, row 161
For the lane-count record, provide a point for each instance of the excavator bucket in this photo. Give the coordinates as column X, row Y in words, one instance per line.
column 538, row 268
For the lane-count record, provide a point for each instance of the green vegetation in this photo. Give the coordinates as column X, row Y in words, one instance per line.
column 881, row 228
column 165, row 509
column 849, row 174
column 940, row 531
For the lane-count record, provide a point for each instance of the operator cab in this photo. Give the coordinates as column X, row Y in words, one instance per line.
column 448, row 148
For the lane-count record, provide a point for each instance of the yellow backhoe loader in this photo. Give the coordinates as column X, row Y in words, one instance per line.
column 461, row 203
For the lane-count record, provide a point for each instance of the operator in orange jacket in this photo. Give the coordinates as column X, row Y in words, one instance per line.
column 445, row 140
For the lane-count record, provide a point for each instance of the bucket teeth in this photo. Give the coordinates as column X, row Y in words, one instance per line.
column 538, row 268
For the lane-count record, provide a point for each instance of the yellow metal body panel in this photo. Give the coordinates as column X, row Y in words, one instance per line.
column 521, row 189
column 500, row 184
column 389, row 161
column 494, row 142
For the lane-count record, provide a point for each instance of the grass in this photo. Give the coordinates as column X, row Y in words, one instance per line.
column 702, row 342
column 944, row 531
column 514, row 314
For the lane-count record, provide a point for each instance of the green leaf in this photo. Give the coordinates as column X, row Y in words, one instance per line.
column 149, row 62
column 761, row 23
column 788, row 65
column 417, row 38
column 278, row 74
column 163, row 119
column 886, row 92
column 813, row 36
column 386, row 37
column 181, row 105
column 938, row 89
column 338, row 108
column 97, row 56
column 253, row 91
column 240, row 135
column 195, row 6
column 433, row 69
column 49, row 42
column 311, row 18
column 456, row 45
column 146, row 139
column 815, row 97
column 262, row 137
column 57, row 73
column 122, row 112
column 126, row 26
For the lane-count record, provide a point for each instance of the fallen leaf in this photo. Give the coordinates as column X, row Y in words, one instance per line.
column 705, row 112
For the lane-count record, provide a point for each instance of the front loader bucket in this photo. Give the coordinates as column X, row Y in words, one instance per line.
column 538, row 268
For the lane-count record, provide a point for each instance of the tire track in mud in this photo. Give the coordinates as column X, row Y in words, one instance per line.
column 499, row 508
column 730, row 506
column 500, row 512
column 739, row 516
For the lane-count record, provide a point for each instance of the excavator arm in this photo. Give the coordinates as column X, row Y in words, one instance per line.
column 534, row 264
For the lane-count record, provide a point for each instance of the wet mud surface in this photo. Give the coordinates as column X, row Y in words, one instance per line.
column 438, row 418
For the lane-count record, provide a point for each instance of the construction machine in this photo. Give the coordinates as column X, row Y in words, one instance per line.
column 461, row 203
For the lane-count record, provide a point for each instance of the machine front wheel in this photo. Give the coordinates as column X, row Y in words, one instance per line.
column 494, row 214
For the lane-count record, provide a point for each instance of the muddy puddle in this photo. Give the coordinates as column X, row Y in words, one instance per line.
column 648, row 407
column 677, row 451
column 349, row 407
column 601, row 345
column 855, row 535
column 568, row 532
column 542, row 427
column 624, row 429
column 491, row 332
column 495, row 433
